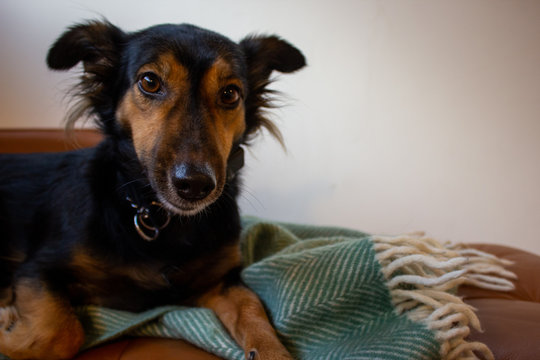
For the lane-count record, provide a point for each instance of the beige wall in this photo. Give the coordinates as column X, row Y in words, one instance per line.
column 413, row 115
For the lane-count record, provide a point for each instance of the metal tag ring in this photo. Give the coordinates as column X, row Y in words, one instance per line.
column 144, row 213
column 141, row 231
column 143, row 227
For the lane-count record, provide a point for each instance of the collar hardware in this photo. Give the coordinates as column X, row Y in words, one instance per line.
column 149, row 220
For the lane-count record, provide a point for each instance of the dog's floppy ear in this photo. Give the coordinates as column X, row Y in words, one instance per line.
column 94, row 42
column 267, row 53
column 263, row 55
column 98, row 45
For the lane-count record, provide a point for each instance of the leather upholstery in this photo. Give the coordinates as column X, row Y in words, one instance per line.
column 145, row 349
column 45, row 140
column 511, row 321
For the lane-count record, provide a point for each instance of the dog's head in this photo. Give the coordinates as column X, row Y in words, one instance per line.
column 185, row 96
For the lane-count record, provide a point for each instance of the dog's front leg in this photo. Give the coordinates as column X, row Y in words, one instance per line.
column 38, row 324
column 243, row 315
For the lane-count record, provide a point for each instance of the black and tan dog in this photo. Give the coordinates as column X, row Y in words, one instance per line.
column 148, row 217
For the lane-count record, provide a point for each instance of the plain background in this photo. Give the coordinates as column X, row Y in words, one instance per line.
column 412, row 115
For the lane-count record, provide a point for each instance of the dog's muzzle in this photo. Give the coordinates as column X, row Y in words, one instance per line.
column 192, row 184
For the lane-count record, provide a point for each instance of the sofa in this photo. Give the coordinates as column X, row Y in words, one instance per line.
column 510, row 320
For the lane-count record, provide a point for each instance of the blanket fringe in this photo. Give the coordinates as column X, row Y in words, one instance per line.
column 422, row 275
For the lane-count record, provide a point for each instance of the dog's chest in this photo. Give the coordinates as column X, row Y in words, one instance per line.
column 105, row 283
column 136, row 286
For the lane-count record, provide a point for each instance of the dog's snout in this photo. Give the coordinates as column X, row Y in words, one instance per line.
column 193, row 183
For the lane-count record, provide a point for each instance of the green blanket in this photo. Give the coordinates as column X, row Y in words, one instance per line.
column 332, row 294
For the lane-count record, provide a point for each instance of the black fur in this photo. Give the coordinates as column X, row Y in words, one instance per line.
column 53, row 206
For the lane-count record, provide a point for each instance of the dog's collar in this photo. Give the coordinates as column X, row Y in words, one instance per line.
column 151, row 217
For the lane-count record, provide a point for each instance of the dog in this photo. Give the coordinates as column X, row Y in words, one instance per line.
column 148, row 217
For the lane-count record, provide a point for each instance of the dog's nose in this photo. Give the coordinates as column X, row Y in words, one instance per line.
column 193, row 183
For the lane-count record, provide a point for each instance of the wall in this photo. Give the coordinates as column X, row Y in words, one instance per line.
column 412, row 115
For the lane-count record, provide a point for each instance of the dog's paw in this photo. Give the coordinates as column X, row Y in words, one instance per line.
column 268, row 355
column 8, row 318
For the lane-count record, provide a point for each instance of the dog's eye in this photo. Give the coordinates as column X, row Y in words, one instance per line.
column 149, row 83
column 230, row 95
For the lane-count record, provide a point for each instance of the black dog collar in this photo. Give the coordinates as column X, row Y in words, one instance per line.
column 235, row 162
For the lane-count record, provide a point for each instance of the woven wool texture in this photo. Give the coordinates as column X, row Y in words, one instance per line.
column 323, row 289
column 328, row 297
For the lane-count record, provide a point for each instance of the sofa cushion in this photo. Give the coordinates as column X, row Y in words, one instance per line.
column 46, row 140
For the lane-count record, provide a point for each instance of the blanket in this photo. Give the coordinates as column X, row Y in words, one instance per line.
column 335, row 293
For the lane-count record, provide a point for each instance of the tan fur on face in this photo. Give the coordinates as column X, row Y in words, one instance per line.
column 232, row 123
column 146, row 118
column 172, row 128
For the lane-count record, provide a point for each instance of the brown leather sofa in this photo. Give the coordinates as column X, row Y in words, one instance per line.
column 511, row 320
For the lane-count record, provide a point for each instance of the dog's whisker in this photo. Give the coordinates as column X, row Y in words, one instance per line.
column 122, row 186
column 247, row 195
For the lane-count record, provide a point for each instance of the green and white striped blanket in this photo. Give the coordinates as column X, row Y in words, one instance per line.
column 334, row 294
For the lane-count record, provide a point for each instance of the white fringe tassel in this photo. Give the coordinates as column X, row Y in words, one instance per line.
column 422, row 276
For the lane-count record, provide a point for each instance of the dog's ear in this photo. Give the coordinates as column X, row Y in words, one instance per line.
column 267, row 53
column 263, row 55
column 98, row 45
column 93, row 43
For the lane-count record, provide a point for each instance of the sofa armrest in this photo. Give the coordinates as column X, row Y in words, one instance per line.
column 46, row 140
column 510, row 320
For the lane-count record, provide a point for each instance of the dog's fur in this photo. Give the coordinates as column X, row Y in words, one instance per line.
column 174, row 103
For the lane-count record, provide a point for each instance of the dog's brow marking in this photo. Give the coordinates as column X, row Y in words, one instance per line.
column 171, row 71
column 221, row 73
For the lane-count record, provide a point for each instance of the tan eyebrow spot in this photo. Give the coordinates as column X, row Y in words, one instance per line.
column 145, row 119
